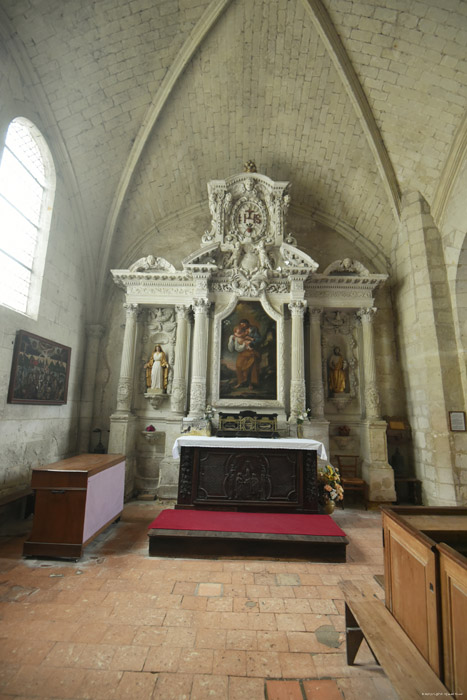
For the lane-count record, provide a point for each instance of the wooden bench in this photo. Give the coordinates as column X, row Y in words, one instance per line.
column 24, row 497
column 366, row 617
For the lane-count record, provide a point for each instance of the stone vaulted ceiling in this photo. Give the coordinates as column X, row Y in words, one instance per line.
column 353, row 102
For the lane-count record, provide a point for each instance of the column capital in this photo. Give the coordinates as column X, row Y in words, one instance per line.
column 297, row 307
column 366, row 314
column 131, row 309
column 182, row 312
column 201, row 305
column 315, row 314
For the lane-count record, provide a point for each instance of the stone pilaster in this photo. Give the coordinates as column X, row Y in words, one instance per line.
column 376, row 470
column 179, row 391
column 297, row 362
column 94, row 333
column 199, row 359
column 316, row 372
column 122, row 422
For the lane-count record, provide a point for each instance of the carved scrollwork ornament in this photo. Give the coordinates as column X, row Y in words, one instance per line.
column 124, row 393
column 372, row 400
column 178, row 398
column 297, row 396
column 198, row 396
column 317, row 398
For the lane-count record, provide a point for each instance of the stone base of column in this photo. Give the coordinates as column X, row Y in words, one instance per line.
column 377, row 472
column 168, row 479
column 122, row 441
column 318, row 429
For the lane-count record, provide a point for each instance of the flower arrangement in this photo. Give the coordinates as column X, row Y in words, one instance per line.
column 329, row 482
column 304, row 415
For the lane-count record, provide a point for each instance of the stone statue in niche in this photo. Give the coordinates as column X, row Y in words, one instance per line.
column 338, row 372
column 157, row 371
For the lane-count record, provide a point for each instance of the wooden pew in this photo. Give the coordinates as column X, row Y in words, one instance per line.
column 366, row 617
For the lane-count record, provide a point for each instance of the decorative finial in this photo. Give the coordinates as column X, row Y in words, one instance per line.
column 249, row 167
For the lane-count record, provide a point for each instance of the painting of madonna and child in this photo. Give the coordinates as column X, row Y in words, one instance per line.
column 248, row 354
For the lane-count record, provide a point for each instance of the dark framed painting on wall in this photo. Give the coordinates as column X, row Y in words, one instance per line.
column 39, row 371
column 248, row 366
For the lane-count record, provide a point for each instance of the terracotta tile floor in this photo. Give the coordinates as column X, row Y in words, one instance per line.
column 120, row 624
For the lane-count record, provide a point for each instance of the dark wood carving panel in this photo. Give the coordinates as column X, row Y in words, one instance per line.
column 248, row 479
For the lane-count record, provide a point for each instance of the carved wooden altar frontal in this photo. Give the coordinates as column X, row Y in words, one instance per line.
column 280, row 480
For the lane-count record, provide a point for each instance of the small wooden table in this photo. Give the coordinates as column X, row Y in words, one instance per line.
column 76, row 499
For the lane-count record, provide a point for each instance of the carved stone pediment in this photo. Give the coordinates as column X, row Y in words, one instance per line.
column 152, row 263
column 347, row 267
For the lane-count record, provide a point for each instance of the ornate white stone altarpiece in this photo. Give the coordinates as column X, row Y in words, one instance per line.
column 248, row 322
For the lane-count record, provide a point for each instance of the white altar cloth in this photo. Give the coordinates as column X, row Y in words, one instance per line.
column 259, row 443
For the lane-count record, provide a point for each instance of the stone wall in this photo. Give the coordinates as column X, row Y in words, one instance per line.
column 31, row 435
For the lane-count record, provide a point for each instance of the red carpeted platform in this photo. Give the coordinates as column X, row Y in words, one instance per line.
column 203, row 532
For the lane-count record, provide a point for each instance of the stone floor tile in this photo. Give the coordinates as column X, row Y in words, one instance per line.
column 190, row 602
column 323, row 690
column 143, row 636
column 64, row 682
column 129, row 658
column 136, row 686
column 172, row 686
column 162, row 659
column 90, row 632
column 219, row 604
column 297, row 665
column 296, row 605
column 196, row 661
column 29, row 680
column 288, row 580
column 209, row 687
column 283, row 690
column 24, row 651
column 312, row 622
column 64, row 654
column 243, row 577
column 241, row 639
column 272, row 605
column 245, row 689
column 325, row 607
column 183, row 637
column 98, row 656
column 210, row 639
column 290, row 622
column 185, row 588
column 264, row 664
column 120, row 634
column 257, row 591
column 262, row 621
column 99, row 685
column 272, row 641
column 229, row 662
column 245, row 605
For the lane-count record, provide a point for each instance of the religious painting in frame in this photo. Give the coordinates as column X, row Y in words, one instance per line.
column 40, row 370
column 248, row 363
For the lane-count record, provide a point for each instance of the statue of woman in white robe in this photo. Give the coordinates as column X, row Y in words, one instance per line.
column 157, row 370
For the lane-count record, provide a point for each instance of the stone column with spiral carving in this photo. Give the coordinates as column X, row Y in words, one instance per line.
column 199, row 360
column 316, row 373
column 178, row 400
column 297, row 364
column 125, row 383
column 94, row 333
column 371, row 391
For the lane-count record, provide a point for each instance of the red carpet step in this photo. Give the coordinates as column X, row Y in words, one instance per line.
column 189, row 533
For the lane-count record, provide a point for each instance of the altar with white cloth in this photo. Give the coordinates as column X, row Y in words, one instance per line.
column 248, row 474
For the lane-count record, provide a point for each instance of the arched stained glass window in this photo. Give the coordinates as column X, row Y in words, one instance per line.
column 27, row 184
